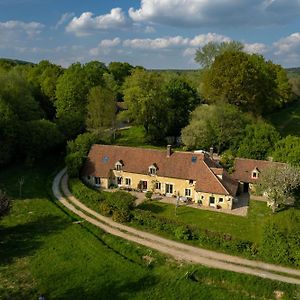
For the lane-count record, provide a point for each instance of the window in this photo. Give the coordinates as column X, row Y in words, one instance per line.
column 254, row 174
column 144, row 185
column 187, row 192
column 88, row 177
column 191, row 181
column 169, row 188
column 152, row 170
column 221, row 200
column 157, row 185
column 119, row 180
column 97, row 180
column 211, row 200
column 202, row 197
column 118, row 167
column 128, row 181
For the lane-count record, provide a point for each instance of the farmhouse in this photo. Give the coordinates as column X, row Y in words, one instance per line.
column 247, row 172
column 195, row 176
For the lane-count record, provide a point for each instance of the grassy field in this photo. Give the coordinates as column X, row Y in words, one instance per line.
column 287, row 120
column 245, row 228
column 44, row 250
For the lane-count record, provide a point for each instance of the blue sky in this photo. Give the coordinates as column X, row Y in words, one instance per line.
column 152, row 33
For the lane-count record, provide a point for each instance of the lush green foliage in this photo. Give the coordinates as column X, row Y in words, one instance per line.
column 101, row 109
column 280, row 240
column 77, row 151
column 220, row 126
column 258, row 141
column 247, row 81
column 288, row 150
column 206, row 55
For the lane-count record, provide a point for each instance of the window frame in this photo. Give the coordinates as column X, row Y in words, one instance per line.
column 189, row 194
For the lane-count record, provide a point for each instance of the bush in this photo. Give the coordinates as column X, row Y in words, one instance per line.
column 183, row 233
column 121, row 216
column 121, row 201
column 149, row 195
column 105, row 209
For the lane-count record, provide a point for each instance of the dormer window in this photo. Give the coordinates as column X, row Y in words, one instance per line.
column 152, row 170
column 119, row 166
column 255, row 173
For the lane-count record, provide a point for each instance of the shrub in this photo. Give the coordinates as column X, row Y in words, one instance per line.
column 149, row 195
column 183, row 233
column 121, row 216
column 105, row 209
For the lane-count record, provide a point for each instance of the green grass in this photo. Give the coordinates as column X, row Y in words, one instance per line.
column 42, row 250
column 245, row 228
column 287, row 120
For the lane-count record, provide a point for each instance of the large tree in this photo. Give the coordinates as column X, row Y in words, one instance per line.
column 220, row 126
column 206, row 55
column 258, row 141
column 146, row 102
column 182, row 99
column 101, row 109
column 245, row 80
column 279, row 184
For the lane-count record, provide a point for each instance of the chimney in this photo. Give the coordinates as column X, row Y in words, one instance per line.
column 211, row 152
column 169, row 150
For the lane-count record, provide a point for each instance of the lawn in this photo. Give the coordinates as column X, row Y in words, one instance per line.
column 245, row 228
column 287, row 120
column 43, row 250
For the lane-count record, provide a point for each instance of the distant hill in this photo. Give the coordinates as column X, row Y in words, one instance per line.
column 293, row 71
column 8, row 63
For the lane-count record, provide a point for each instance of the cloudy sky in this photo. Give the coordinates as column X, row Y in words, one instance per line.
column 152, row 33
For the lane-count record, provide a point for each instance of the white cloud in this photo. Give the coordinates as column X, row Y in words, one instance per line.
column 64, row 19
column 288, row 44
column 215, row 12
column 87, row 23
column 31, row 29
column 287, row 50
column 258, row 48
column 105, row 46
column 202, row 39
column 158, row 43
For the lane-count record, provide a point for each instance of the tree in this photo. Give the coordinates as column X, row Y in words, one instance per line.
column 146, row 102
column 94, row 71
column 279, row 184
column 288, row 150
column 4, row 204
column 182, row 99
column 120, row 71
column 101, row 109
column 218, row 126
column 39, row 137
column 71, row 91
column 258, row 141
column 241, row 79
column 206, row 55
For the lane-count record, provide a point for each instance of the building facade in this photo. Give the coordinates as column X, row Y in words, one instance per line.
column 193, row 176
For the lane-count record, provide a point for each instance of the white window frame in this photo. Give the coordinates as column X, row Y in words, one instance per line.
column 158, row 184
column 189, row 194
column 119, row 184
column 96, row 179
column 118, row 166
column 152, row 170
column 126, row 180
column 221, row 201
column 168, row 184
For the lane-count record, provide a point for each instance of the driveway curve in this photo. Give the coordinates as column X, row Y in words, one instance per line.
column 177, row 250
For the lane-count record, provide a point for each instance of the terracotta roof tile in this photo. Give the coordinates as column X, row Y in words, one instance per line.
column 243, row 168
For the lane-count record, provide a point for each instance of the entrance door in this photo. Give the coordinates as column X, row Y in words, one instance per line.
column 169, row 189
column 144, row 185
column 246, row 187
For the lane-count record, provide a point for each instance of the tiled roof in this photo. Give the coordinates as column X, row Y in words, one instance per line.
column 243, row 168
column 183, row 165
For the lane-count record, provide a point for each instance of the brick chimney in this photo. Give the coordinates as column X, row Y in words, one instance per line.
column 169, row 150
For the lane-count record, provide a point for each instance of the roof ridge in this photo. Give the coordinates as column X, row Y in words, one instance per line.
column 218, row 179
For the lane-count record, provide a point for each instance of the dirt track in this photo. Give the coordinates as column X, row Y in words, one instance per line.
column 177, row 250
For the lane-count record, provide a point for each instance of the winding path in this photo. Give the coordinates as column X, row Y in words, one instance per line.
column 177, row 250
